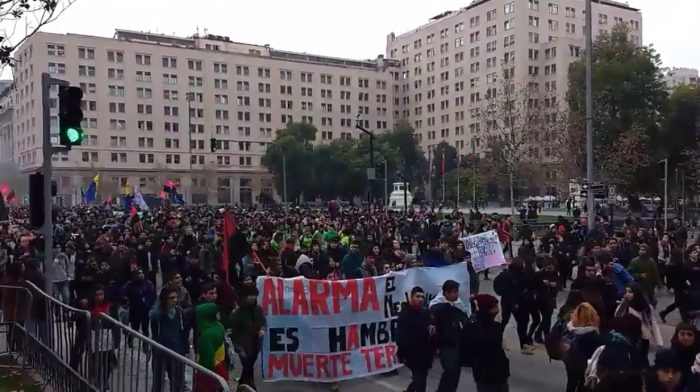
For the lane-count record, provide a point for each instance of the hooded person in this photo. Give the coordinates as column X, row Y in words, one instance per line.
column 305, row 267
column 665, row 374
column 645, row 272
column 450, row 316
column 211, row 350
column 483, row 348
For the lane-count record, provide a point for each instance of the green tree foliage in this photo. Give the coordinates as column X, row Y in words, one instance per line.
column 465, row 187
column 629, row 98
column 339, row 168
column 681, row 129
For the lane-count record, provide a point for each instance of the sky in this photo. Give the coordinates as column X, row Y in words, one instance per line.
column 350, row 29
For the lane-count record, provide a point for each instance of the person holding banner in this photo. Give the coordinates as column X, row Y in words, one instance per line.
column 414, row 340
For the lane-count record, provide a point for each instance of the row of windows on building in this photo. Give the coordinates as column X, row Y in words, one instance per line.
column 509, row 8
column 170, row 159
column 154, row 182
column 170, row 62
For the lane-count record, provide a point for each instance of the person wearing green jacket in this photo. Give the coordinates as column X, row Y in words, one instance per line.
column 645, row 272
column 211, row 350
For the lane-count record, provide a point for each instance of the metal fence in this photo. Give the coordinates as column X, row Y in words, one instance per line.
column 76, row 351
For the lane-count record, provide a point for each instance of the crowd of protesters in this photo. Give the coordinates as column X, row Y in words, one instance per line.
column 112, row 262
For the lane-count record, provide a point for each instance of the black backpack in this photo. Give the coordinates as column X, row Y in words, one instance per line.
column 559, row 341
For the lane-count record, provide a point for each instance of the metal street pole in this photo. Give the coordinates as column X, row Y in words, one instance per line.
column 459, row 169
column 474, row 173
column 430, row 175
column 683, row 198
column 370, row 170
column 386, row 180
column 48, row 150
column 589, row 109
column 664, row 202
column 189, row 127
column 284, row 173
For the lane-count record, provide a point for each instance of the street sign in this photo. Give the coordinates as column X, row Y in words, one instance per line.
column 611, row 192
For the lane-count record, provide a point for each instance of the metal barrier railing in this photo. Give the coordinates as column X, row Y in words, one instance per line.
column 75, row 351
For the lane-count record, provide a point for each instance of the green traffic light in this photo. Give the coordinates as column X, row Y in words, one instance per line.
column 74, row 135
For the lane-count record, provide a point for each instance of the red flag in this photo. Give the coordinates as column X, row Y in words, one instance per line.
column 4, row 189
column 230, row 227
column 162, row 195
column 108, row 200
column 10, row 196
column 169, row 183
column 442, row 163
column 133, row 211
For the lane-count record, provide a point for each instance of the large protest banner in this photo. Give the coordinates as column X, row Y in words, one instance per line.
column 325, row 331
column 485, row 249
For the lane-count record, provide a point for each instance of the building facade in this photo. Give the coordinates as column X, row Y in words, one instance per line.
column 681, row 76
column 449, row 65
column 152, row 102
column 7, row 145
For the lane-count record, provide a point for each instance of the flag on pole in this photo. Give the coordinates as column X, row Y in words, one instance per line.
column 138, row 199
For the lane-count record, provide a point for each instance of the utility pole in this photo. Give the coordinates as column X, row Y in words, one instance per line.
column 589, row 110
column 46, row 168
column 474, row 173
column 370, row 170
column 459, row 169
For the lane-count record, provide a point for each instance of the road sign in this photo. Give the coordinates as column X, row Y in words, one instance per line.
column 611, row 192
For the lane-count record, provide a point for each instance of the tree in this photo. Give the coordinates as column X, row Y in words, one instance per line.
column 444, row 160
column 682, row 127
column 35, row 14
column 465, row 188
column 629, row 95
column 566, row 138
column 337, row 168
column 512, row 120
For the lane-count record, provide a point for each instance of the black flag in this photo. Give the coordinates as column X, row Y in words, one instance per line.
column 4, row 214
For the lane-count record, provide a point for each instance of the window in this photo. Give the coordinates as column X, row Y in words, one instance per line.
column 194, row 65
column 307, row 77
column 196, row 81
column 533, row 5
column 571, row 28
column 491, row 16
column 509, row 8
column 221, row 68
column 86, row 53
column 116, row 91
column 263, row 72
column 490, row 31
column 221, row 84
column 459, row 42
column 533, row 21
column 169, row 62
column 570, row 12
column 459, row 27
column 534, row 38
column 169, row 79
column 86, row 70
column 553, row 25
column 115, row 73
column 115, row 57
column 242, row 70
column 56, row 50
column 143, row 59
column 57, row 68
column 602, row 19
column 509, row 24
column 553, row 9
column 143, row 76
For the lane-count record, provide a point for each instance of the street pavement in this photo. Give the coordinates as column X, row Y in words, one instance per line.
column 529, row 373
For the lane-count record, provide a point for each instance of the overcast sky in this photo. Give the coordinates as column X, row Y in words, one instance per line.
column 352, row 29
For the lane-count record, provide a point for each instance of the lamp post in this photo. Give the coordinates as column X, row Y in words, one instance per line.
column 189, row 125
column 664, row 202
column 370, row 170
column 588, row 33
column 386, row 180
column 284, row 172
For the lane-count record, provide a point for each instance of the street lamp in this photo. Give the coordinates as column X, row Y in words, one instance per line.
column 588, row 33
column 284, row 172
column 370, row 170
column 665, row 200
column 386, row 180
column 189, row 99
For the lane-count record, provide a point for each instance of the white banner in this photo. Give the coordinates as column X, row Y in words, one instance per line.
column 485, row 249
column 325, row 331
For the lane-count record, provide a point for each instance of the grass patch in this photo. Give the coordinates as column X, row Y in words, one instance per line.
column 13, row 379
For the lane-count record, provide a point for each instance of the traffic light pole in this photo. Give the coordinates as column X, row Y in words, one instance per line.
column 46, row 169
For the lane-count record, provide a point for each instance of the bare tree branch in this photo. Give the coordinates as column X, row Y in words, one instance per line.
column 42, row 12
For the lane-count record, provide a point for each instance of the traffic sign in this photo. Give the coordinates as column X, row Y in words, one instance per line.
column 611, row 191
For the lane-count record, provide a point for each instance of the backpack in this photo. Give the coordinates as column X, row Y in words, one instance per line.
column 559, row 341
column 591, row 378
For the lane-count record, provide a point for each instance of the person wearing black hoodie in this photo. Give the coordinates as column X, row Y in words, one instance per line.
column 686, row 344
column 517, row 298
column 483, row 350
column 414, row 332
column 665, row 375
column 546, row 288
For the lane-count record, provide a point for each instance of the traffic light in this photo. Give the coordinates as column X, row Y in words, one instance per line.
column 214, row 144
column 37, row 214
column 70, row 116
